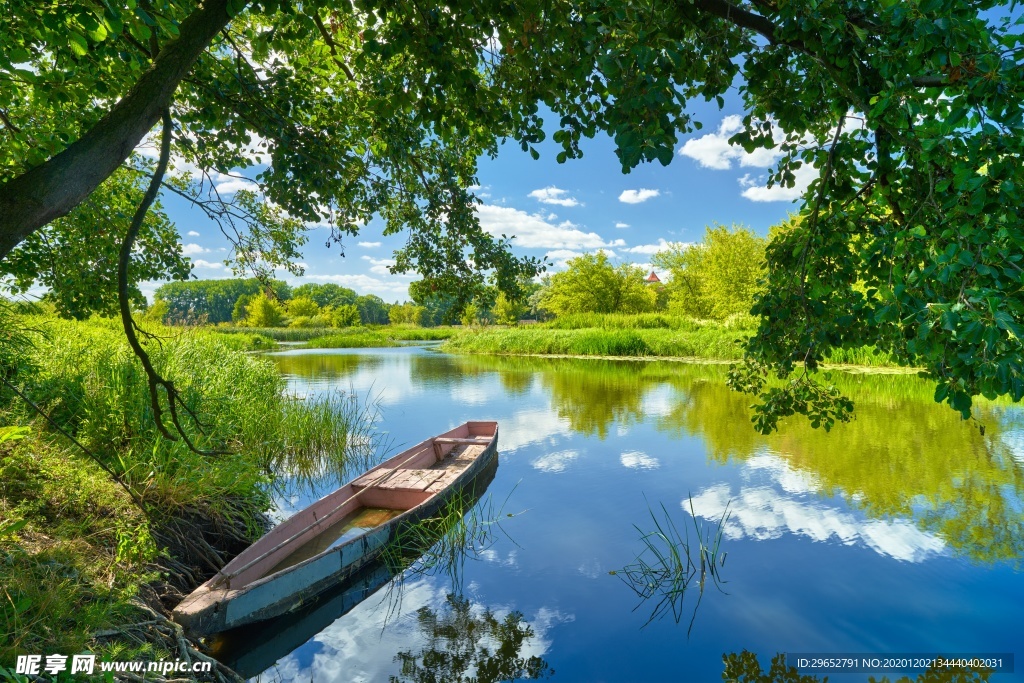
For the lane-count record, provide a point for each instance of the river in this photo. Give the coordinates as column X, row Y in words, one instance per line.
column 901, row 532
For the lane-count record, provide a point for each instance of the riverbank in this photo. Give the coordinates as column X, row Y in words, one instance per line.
column 99, row 539
column 697, row 341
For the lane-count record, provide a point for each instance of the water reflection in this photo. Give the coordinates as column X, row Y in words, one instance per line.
column 902, row 458
column 463, row 644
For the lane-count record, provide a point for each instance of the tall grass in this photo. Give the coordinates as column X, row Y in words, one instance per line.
column 708, row 341
column 277, row 333
column 67, row 529
column 646, row 321
column 364, row 337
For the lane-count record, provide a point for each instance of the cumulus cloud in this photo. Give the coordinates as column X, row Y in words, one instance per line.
column 714, row 151
column 555, row 462
column 193, row 233
column 638, row 196
column 380, row 266
column 369, row 245
column 782, row 499
column 620, row 224
column 756, row 191
column 367, row 284
column 637, row 460
column 554, row 195
column 532, row 231
column 649, row 249
column 192, row 249
column 200, row 263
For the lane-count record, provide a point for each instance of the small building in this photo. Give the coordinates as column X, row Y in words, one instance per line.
column 652, row 278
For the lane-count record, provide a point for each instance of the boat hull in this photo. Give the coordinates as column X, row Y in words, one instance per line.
column 213, row 607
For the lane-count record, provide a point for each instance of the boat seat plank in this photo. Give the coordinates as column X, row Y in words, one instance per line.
column 445, row 480
column 398, row 479
column 456, row 440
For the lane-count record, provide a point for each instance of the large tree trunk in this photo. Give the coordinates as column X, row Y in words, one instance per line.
column 52, row 189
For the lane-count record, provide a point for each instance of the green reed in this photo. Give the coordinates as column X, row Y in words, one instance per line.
column 670, row 564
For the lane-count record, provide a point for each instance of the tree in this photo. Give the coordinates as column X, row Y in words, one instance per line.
column 372, row 310
column 240, row 311
column 718, row 277
column 302, row 306
column 328, row 294
column 214, row 300
column 265, row 312
column 507, row 311
column 405, row 314
column 593, row 285
column 346, row 315
column 75, row 257
column 909, row 113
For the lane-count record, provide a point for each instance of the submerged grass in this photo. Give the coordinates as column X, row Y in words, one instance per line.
column 669, row 564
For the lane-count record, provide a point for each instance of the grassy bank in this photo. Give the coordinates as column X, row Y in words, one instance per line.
column 79, row 558
column 277, row 334
column 643, row 335
column 366, row 337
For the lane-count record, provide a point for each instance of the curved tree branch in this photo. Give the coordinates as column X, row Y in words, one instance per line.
column 153, row 378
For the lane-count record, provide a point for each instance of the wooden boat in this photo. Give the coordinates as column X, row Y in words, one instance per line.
column 254, row 648
column 323, row 545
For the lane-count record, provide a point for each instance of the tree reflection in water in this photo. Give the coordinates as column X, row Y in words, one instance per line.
column 465, row 646
column 745, row 667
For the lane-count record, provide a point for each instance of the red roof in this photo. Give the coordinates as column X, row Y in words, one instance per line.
column 653, row 277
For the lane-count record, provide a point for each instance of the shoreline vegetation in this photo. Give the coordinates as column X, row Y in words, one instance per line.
column 96, row 548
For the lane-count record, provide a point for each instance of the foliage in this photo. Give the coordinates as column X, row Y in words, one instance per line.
column 264, row 312
column 240, row 311
column 345, row 315
column 405, row 314
column 75, row 257
column 593, row 285
column 212, row 300
column 508, row 311
column 301, row 305
column 372, row 310
column 327, row 294
column 743, row 667
column 716, row 278
column 381, row 337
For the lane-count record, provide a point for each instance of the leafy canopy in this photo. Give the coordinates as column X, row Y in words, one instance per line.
column 591, row 284
column 911, row 113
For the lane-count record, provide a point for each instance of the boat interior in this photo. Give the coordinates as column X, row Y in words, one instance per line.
column 383, row 493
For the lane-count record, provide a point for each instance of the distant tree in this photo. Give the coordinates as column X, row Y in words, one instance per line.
column 214, row 299
column 507, row 311
column 718, row 277
column 265, row 312
column 327, row 294
column 157, row 312
column 372, row 310
column 407, row 314
column 346, row 315
column 302, row 306
column 438, row 308
column 241, row 309
column 593, row 285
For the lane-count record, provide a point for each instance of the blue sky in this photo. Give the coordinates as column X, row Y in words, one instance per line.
column 555, row 210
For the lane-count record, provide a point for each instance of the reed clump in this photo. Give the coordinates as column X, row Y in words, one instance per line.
column 78, row 552
column 379, row 337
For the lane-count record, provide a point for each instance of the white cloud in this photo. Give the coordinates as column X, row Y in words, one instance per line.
column 621, row 225
column 200, row 263
column 714, row 151
column 637, row 460
column 379, row 266
column 192, row 249
column 638, row 196
column 788, row 500
column 193, row 233
column 367, row 284
column 553, row 195
column 369, row 245
column 756, row 191
column 555, row 462
column 531, row 231
column 649, row 249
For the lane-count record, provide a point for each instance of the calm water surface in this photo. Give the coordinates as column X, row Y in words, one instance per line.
column 900, row 532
